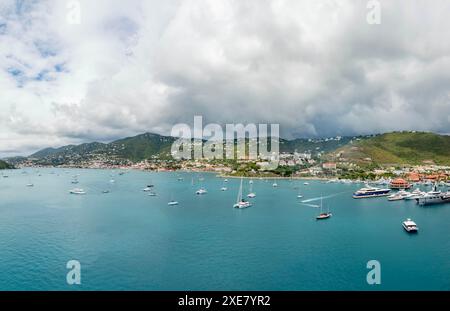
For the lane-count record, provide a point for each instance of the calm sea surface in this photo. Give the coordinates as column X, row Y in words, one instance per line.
column 127, row 240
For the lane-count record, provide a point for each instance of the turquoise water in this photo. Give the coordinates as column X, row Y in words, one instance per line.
column 127, row 240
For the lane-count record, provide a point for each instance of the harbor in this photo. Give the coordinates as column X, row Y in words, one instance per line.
column 309, row 234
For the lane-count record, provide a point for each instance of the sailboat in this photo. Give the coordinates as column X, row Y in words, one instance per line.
column 240, row 202
column 202, row 190
column 323, row 215
column 251, row 194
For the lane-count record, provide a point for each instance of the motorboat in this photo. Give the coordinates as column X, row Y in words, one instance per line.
column 417, row 193
column 401, row 195
column 77, row 191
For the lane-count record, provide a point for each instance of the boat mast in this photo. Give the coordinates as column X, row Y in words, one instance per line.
column 239, row 198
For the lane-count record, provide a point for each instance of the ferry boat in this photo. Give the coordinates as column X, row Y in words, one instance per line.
column 370, row 192
column 410, row 225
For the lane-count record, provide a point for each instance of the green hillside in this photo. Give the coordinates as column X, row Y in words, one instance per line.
column 4, row 165
column 143, row 146
column 399, row 148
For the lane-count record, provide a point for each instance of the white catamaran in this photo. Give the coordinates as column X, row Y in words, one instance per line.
column 240, row 202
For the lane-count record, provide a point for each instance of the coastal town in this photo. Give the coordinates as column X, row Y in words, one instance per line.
column 291, row 165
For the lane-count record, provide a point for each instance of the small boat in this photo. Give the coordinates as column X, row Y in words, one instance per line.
column 112, row 181
column 105, row 191
column 410, row 225
column 251, row 195
column 147, row 189
column 240, row 202
column 274, row 185
column 180, row 178
column 172, row 203
column 152, row 194
column 226, row 180
column 74, row 182
column 250, row 182
column 306, row 183
column 30, row 185
column 323, row 215
column 201, row 191
column 77, row 191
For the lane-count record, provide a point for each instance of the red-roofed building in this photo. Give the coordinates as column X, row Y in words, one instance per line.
column 400, row 183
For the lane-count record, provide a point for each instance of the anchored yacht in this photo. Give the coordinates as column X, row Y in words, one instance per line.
column 370, row 192
column 434, row 197
column 240, row 202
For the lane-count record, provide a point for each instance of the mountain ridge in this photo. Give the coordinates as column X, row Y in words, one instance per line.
column 394, row 147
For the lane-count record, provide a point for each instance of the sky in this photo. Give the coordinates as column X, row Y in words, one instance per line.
column 82, row 71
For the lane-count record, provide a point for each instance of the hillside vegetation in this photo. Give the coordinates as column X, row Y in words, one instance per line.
column 4, row 165
column 399, row 148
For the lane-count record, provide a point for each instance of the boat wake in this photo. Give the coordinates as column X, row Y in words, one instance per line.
column 326, row 197
column 311, row 205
